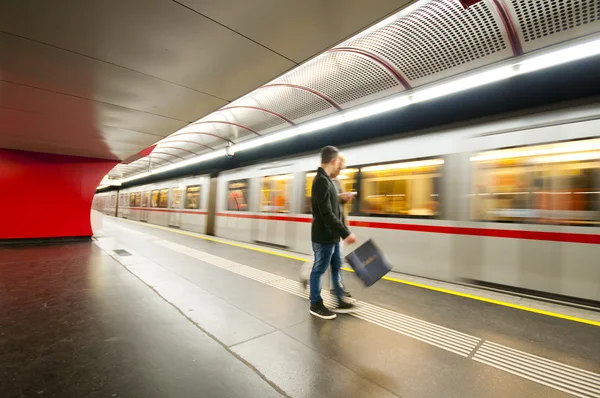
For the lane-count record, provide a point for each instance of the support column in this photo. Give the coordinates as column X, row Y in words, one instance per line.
column 46, row 196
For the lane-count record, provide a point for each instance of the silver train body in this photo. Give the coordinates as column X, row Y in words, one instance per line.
column 512, row 202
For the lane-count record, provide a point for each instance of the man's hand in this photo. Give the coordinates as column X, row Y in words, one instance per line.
column 346, row 197
column 350, row 239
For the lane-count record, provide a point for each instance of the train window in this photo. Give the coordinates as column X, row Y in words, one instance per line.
column 175, row 198
column 192, row 197
column 310, row 177
column 146, row 199
column 163, row 198
column 134, row 199
column 549, row 184
column 237, row 195
column 347, row 179
column 401, row 189
column 275, row 194
column 154, row 202
column 113, row 200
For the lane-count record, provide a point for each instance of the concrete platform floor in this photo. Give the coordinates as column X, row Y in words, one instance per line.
column 142, row 312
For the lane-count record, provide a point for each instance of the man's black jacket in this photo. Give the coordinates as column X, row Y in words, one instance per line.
column 327, row 225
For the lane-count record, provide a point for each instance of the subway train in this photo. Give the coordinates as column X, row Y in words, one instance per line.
column 511, row 203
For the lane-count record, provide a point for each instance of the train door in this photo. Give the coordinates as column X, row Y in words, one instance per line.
column 114, row 202
column 175, row 207
column 275, row 199
column 212, row 207
column 145, row 205
column 128, row 202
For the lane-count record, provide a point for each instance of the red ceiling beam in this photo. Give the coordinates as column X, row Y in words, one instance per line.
column 308, row 90
column 141, row 154
column 468, row 3
column 167, row 153
column 378, row 60
column 509, row 26
column 160, row 158
column 222, row 122
column 259, row 109
column 197, row 133
column 178, row 149
column 168, row 141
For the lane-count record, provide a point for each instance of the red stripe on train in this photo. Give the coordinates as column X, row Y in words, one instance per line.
column 261, row 217
column 166, row 210
column 437, row 229
column 487, row 232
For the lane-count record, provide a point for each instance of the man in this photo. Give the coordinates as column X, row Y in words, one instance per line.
column 327, row 229
column 344, row 198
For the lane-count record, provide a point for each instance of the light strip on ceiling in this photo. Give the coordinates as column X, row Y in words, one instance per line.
column 526, row 64
column 174, row 166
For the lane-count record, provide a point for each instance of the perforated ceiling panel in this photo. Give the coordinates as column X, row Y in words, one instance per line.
column 292, row 103
column 541, row 23
column 218, row 125
column 139, row 166
column 344, row 77
column 439, row 39
column 257, row 120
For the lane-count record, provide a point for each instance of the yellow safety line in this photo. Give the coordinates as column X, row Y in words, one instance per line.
column 195, row 235
column 387, row 278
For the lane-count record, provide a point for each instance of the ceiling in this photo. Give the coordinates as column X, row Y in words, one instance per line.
column 109, row 78
column 124, row 75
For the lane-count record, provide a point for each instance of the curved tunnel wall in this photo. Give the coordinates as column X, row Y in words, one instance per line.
column 47, row 196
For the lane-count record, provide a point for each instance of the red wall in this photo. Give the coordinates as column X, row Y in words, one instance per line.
column 44, row 196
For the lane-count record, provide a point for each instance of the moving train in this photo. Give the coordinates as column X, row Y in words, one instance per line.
column 511, row 203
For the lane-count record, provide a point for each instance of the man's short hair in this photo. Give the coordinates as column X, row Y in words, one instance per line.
column 328, row 154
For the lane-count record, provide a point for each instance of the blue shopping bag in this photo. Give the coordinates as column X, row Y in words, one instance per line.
column 369, row 263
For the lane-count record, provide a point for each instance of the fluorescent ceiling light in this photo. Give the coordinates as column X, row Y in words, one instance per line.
column 268, row 139
column 463, row 84
column 361, row 112
column 526, row 64
column 321, row 123
column 174, row 166
column 562, row 56
column 108, row 181
column 309, row 127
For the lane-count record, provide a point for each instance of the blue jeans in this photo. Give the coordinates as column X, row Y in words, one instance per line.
column 325, row 254
column 339, row 281
column 340, row 273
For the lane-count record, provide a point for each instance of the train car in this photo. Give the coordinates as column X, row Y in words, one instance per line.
column 106, row 203
column 180, row 203
column 514, row 202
